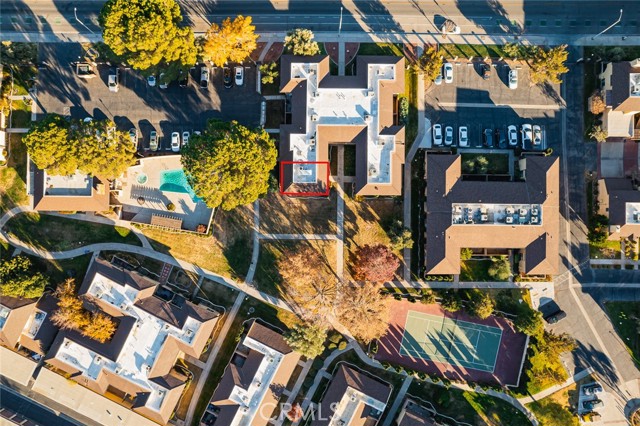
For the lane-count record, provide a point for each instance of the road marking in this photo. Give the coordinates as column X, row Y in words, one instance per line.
column 554, row 107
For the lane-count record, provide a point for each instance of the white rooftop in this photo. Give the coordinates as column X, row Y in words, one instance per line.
column 78, row 184
column 349, row 404
column 496, row 214
column 141, row 347
column 250, row 399
column 632, row 213
column 634, row 83
column 343, row 107
column 34, row 323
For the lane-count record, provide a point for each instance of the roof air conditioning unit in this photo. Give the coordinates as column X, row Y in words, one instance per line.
column 314, row 117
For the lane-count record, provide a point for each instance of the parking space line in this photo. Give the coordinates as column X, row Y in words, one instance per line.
column 555, row 107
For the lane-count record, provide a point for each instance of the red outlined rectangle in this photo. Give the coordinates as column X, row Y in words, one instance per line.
column 305, row 193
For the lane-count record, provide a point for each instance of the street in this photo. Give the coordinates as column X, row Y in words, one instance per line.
column 27, row 408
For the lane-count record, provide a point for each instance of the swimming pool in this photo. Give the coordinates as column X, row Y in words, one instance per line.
column 176, row 181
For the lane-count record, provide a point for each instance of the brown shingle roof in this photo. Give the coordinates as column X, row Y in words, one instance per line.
column 613, row 195
column 620, row 87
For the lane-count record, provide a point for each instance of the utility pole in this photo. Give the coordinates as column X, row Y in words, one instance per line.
column 340, row 25
column 609, row 27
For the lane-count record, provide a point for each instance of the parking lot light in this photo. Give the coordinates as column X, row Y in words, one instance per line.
column 609, row 27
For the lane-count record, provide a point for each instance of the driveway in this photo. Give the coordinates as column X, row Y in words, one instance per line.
column 136, row 104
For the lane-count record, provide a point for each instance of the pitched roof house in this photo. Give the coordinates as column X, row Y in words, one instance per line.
column 413, row 414
column 153, row 330
column 352, row 399
column 26, row 323
column 253, row 381
column 502, row 215
column 621, row 86
column 620, row 202
column 327, row 109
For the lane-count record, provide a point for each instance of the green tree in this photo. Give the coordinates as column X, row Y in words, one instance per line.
column 229, row 165
column 269, row 72
column 429, row 63
column 18, row 54
column 146, row 33
column 49, row 146
column 528, row 321
column 500, row 268
column 401, row 237
column 598, row 133
column 451, row 301
column 547, row 65
column 307, row 339
column 466, row 254
column 480, row 304
column 233, row 41
column 300, row 42
column 18, row 280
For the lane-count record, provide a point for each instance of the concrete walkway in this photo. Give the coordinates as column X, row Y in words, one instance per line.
column 341, row 59
column 256, row 242
column 553, row 389
column 294, row 392
column 297, row 237
column 391, row 413
column 212, row 357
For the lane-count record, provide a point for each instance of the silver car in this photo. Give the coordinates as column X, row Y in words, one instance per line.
column 527, row 134
column 114, row 84
column 448, row 136
column 153, row 141
column 185, row 138
column 463, row 136
column 512, row 135
column 175, row 142
column 513, row 79
column 133, row 135
column 437, row 134
column 537, row 135
column 448, row 73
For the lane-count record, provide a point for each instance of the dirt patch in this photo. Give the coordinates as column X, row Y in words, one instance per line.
column 280, row 214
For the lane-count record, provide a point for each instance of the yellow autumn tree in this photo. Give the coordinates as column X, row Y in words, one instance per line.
column 233, row 41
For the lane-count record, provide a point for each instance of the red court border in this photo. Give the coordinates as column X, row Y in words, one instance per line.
column 305, row 194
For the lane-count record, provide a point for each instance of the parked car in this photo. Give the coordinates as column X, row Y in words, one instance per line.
column 448, row 136
column 501, row 142
column 486, row 71
column 204, row 77
column 183, row 79
column 151, row 80
column 592, row 405
column 463, row 136
column 113, row 80
column 226, row 77
column 153, row 141
column 133, row 135
column 537, row 135
column 551, row 312
column 175, row 142
column 437, row 134
column 513, row 79
column 527, row 135
column 438, row 80
column 185, row 138
column 163, row 84
column 512, row 132
column 239, row 72
column 448, row 73
column 592, row 389
column 487, row 136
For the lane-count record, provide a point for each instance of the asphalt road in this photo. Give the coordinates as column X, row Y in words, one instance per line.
column 27, row 408
column 506, row 17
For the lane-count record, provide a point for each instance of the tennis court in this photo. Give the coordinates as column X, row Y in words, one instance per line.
column 455, row 342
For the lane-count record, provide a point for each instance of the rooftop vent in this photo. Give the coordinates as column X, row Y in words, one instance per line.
column 314, row 117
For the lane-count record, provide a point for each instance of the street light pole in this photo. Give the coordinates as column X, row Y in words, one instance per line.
column 609, row 27
column 340, row 26
column 75, row 13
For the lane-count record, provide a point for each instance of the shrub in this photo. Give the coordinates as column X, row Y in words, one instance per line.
column 171, row 207
column 123, row 232
column 451, row 301
column 597, row 104
column 466, row 253
column 500, row 268
column 428, row 296
column 342, row 346
column 403, row 108
column 598, row 133
column 401, row 237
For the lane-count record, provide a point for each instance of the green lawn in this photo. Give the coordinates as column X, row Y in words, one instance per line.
column 606, row 250
column 411, row 92
column 60, row 270
column 381, row 49
column 20, row 114
column 625, row 317
column 467, row 50
column 13, row 190
column 498, row 164
column 555, row 409
column 475, row 270
column 59, row 234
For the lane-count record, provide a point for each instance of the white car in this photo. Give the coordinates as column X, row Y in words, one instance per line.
column 163, row 85
column 512, row 135
column 438, row 79
column 239, row 71
column 175, row 142
column 463, row 136
column 437, row 134
column 448, row 136
column 153, row 141
column 185, row 138
column 151, row 80
column 537, row 135
column 448, row 73
column 114, row 85
column 133, row 135
column 527, row 134
column 513, row 79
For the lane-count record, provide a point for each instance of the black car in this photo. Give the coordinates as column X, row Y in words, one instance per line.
column 227, row 77
column 183, row 79
column 486, row 71
column 501, row 140
column 487, row 136
column 551, row 312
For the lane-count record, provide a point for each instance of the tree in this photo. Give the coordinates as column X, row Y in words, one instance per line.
column 300, row 42
column 401, row 237
column 529, row 321
column 596, row 103
column 94, row 148
column 451, row 301
column 269, row 72
column 466, row 254
column 548, row 64
column 233, row 41
column 375, row 263
column 512, row 50
column 429, row 63
column 307, row 339
column 295, row 413
column 145, row 33
column 500, row 268
column 18, row 280
column 480, row 304
column 364, row 311
column 229, row 165
column 100, row 327
column 18, row 54
column 598, row 133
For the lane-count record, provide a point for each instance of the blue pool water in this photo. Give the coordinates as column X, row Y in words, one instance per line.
column 176, row 181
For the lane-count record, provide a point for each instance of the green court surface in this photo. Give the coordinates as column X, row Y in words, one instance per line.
column 448, row 341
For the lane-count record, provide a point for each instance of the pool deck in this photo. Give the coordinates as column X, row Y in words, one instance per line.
column 155, row 200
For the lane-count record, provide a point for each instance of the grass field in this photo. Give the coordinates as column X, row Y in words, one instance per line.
column 380, row 49
column 290, row 215
column 606, row 250
column 625, row 317
column 475, row 270
column 13, row 190
column 498, row 164
column 59, row 234
column 555, row 409
column 464, row 51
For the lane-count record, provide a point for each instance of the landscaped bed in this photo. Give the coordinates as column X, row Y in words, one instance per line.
column 464, row 51
column 625, row 317
column 289, row 215
column 55, row 233
column 555, row 409
column 12, row 177
column 496, row 164
column 606, row 250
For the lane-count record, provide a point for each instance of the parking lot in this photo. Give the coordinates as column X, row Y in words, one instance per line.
column 481, row 104
column 136, row 104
